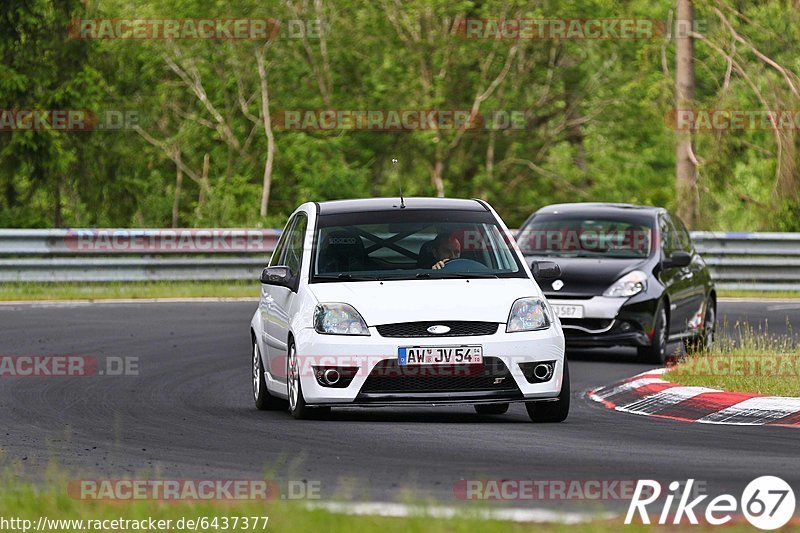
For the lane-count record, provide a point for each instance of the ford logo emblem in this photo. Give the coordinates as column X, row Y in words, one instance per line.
column 438, row 329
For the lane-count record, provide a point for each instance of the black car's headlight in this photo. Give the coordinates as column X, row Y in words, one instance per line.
column 631, row 283
column 528, row 314
column 339, row 319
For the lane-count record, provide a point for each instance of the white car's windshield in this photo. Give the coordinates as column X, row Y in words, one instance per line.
column 411, row 244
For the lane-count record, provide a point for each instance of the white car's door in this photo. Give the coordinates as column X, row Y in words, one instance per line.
column 280, row 299
column 268, row 297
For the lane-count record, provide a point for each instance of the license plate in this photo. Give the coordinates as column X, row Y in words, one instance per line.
column 567, row 311
column 440, row 355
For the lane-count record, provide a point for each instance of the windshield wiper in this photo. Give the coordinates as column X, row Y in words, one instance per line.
column 459, row 275
column 346, row 276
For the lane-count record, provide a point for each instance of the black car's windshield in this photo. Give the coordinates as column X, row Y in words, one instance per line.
column 570, row 236
column 412, row 244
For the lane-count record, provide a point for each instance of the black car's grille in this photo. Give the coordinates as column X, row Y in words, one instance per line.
column 389, row 377
column 593, row 324
column 458, row 328
column 568, row 296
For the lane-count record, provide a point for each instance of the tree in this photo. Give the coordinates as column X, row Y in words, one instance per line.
column 685, row 169
column 43, row 71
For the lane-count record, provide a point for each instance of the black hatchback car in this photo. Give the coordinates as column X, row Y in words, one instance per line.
column 630, row 276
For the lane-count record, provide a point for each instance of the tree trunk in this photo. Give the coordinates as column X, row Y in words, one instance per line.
column 205, row 188
column 787, row 184
column 267, row 182
column 573, row 119
column 490, row 155
column 57, row 222
column 436, row 178
column 176, row 203
column 685, row 169
column 438, row 168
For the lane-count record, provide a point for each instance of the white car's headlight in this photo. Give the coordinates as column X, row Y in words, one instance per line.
column 339, row 319
column 528, row 314
column 631, row 283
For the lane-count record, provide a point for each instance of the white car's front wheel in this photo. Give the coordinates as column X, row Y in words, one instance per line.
column 553, row 411
column 297, row 404
column 264, row 400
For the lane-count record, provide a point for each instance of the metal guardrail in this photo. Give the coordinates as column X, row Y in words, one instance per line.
column 751, row 261
column 757, row 261
column 136, row 241
column 87, row 255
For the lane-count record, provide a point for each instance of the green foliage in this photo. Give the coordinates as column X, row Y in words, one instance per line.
column 596, row 112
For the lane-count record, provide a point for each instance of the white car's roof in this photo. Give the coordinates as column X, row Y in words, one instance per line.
column 387, row 204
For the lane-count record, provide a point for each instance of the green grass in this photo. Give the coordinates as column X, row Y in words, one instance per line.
column 759, row 295
column 21, row 500
column 140, row 289
column 750, row 361
column 200, row 289
column 50, row 499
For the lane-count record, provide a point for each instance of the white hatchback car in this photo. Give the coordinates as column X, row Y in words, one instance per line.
column 386, row 302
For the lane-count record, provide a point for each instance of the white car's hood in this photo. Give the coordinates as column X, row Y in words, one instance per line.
column 487, row 300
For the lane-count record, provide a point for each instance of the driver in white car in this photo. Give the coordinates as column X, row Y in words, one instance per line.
column 445, row 247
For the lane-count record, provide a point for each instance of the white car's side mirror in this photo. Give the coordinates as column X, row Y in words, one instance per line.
column 276, row 275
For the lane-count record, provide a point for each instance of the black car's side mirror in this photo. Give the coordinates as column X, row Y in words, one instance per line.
column 276, row 275
column 545, row 269
column 678, row 259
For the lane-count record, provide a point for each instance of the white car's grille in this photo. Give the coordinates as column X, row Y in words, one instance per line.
column 458, row 328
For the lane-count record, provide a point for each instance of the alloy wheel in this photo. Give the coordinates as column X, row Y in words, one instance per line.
column 256, row 372
column 662, row 331
column 710, row 325
column 293, row 379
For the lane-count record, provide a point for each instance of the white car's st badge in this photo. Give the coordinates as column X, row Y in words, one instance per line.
column 439, row 329
column 557, row 284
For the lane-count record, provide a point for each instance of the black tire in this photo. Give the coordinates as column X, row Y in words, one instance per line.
column 705, row 339
column 656, row 353
column 263, row 399
column 298, row 407
column 552, row 412
column 491, row 408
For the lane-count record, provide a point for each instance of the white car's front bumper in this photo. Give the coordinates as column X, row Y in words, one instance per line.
column 364, row 353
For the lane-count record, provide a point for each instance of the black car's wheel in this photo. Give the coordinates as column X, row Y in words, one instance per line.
column 491, row 408
column 705, row 339
column 555, row 411
column 656, row 353
column 264, row 400
column 297, row 403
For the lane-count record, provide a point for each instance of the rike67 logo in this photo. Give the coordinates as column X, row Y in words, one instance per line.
column 767, row 502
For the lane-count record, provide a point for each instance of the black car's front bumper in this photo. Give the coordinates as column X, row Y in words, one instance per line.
column 578, row 338
column 609, row 321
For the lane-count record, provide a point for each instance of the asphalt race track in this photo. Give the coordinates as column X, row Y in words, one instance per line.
column 189, row 415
